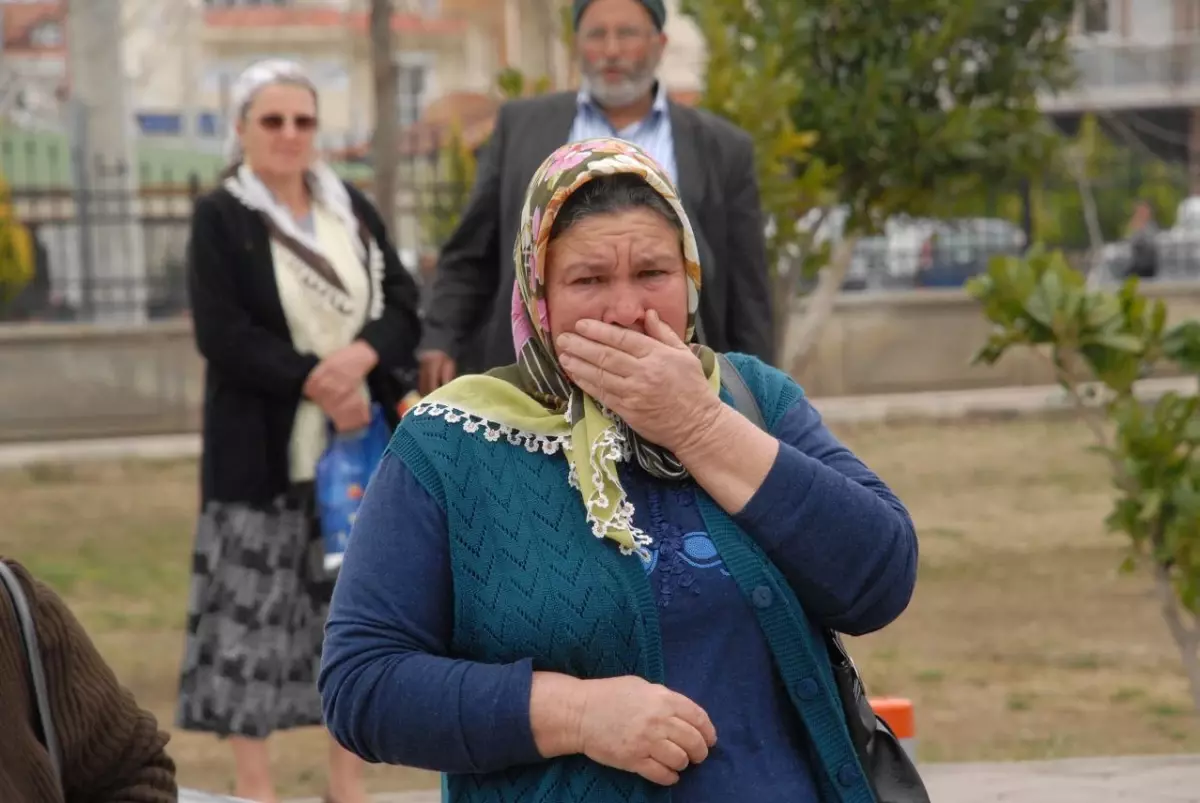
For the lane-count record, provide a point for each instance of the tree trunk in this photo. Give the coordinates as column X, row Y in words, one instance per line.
column 802, row 333
column 1187, row 638
column 1090, row 216
column 385, row 141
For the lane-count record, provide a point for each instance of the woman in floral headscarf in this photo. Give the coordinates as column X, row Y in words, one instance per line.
column 587, row 577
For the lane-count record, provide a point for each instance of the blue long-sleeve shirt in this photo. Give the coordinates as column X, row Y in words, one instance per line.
column 394, row 693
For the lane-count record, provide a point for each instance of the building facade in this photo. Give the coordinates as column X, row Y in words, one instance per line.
column 182, row 56
column 1138, row 65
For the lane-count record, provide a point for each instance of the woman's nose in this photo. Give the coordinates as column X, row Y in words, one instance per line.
column 625, row 307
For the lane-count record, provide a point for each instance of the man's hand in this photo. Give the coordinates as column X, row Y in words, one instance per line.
column 437, row 368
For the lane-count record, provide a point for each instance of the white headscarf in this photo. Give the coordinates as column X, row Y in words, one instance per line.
column 254, row 78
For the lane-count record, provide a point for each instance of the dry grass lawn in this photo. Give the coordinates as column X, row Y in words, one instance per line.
column 1022, row 641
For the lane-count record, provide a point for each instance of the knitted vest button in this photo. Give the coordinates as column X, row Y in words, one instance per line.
column 847, row 775
column 807, row 689
column 762, row 597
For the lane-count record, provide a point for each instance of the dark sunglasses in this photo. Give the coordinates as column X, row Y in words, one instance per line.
column 275, row 122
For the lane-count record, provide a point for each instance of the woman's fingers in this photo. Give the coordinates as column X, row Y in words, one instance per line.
column 670, row 754
column 689, row 740
column 593, row 379
column 692, row 714
column 618, row 337
column 656, row 772
column 605, row 357
column 657, row 329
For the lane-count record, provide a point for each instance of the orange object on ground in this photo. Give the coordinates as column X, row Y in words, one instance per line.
column 898, row 714
column 410, row 400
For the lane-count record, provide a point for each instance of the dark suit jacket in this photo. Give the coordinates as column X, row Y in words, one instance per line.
column 467, row 314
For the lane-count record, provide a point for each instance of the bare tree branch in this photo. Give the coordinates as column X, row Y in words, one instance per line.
column 801, row 343
column 385, row 140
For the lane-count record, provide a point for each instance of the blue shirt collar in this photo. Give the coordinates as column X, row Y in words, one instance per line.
column 584, row 100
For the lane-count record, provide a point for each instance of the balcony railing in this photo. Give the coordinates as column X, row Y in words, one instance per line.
column 1122, row 66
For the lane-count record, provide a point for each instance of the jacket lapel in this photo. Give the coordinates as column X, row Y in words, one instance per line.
column 685, row 130
column 550, row 131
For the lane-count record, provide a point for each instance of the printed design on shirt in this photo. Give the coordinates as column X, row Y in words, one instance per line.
column 678, row 558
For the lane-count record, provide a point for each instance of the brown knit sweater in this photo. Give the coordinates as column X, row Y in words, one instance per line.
column 112, row 751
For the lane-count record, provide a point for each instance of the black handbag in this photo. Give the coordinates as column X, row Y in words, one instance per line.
column 35, row 672
column 890, row 770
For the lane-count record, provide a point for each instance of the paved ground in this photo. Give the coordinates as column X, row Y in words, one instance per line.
column 1160, row 779
column 1166, row 779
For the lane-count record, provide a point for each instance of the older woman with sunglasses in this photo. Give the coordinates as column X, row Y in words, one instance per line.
column 303, row 314
column 586, row 578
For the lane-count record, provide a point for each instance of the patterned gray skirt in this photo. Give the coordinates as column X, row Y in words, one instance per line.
column 256, row 617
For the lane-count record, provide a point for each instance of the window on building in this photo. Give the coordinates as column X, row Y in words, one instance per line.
column 48, row 34
column 1094, row 17
column 412, row 88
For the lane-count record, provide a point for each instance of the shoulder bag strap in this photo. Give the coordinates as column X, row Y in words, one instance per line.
column 37, row 673
column 743, row 398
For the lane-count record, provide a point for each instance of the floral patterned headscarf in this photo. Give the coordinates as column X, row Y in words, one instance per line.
column 535, row 404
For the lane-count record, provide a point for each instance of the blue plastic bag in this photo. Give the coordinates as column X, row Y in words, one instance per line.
column 341, row 479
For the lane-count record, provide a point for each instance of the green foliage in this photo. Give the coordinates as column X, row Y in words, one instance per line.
column 883, row 107
column 914, row 98
column 1116, row 177
column 756, row 88
column 513, row 84
column 456, row 164
column 448, row 197
column 1039, row 302
column 16, row 249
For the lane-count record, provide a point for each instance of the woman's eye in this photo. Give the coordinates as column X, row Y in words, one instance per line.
column 586, row 280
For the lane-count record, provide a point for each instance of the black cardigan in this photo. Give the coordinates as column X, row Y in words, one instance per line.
column 254, row 378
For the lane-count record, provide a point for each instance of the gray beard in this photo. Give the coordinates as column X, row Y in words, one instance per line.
column 625, row 93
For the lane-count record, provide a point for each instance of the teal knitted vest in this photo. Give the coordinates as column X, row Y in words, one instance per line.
column 530, row 580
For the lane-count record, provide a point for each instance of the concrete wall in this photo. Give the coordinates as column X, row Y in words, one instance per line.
column 65, row 381
column 924, row 340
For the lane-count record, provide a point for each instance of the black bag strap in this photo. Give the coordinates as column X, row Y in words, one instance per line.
column 33, row 661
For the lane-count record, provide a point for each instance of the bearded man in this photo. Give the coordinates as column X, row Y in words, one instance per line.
column 620, row 45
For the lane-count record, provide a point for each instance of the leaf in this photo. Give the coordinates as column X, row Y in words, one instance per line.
column 1126, row 343
column 1182, row 345
column 1152, row 505
column 1039, row 308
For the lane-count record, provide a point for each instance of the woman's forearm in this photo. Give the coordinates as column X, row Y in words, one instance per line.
column 426, row 711
column 729, row 457
column 555, row 713
column 840, row 536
